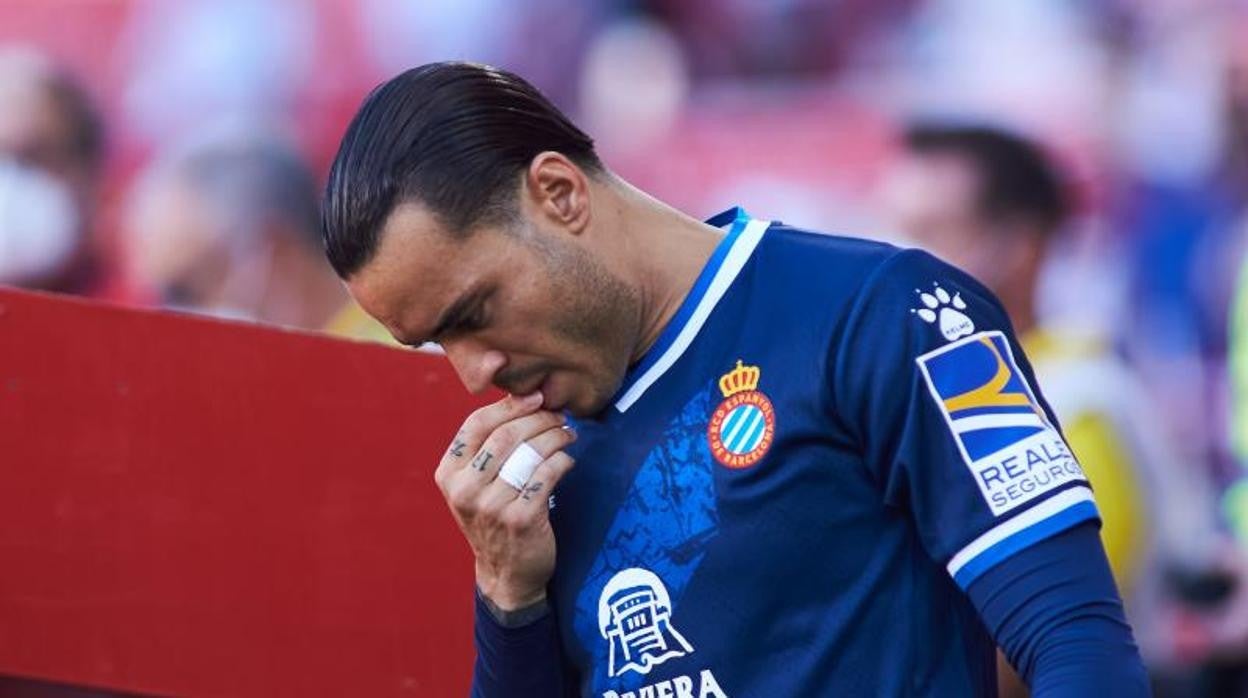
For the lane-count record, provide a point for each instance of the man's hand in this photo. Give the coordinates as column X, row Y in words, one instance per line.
column 508, row 529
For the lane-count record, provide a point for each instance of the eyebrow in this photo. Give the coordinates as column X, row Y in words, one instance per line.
column 454, row 315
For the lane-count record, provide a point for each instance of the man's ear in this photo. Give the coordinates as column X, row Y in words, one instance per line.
column 559, row 188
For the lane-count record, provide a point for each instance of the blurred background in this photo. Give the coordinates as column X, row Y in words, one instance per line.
column 1087, row 160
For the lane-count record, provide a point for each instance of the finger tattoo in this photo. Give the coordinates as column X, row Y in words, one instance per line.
column 531, row 489
column 482, row 459
column 457, row 448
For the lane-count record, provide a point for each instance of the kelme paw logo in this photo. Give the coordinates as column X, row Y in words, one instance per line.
column 938, row 305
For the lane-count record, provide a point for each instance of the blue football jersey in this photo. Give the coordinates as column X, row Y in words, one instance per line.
column 829, row 442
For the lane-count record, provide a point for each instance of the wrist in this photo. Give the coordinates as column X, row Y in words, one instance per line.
column 509, row 600
column 514, row 617
column 507, row 594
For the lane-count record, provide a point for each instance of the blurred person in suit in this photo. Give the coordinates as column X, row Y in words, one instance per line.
column 51, row 151
column 228, row 225
column 991, row 203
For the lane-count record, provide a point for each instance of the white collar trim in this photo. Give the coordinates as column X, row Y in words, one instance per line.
column 733, row 262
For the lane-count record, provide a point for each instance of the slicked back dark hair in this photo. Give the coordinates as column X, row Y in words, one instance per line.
column 1016, row 179
column 452, row 136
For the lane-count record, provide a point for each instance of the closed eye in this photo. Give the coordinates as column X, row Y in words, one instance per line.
column 467, row 317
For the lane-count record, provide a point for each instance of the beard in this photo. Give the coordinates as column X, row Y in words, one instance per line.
column 597, row 312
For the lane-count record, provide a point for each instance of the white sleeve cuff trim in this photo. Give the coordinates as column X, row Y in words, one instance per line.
column 1049, row 507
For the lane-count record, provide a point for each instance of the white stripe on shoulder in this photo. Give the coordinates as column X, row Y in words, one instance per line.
column 1054, row 505
column 993, row 421
column 728, row 270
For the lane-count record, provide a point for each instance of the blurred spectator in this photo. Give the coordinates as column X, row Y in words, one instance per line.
column 633, row 85
column 1235, row 498
column 229, row 225
column 990, row 203
column 1175, row 195
column 1235, row 177
column 51, row 147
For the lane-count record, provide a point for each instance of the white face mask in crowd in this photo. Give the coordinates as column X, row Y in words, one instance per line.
column 39, row 224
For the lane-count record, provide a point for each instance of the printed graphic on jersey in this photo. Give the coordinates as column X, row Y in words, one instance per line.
column 665, row 524
column 938, row 305
column 1012, row 450
column 743, row 426
column 635, row 618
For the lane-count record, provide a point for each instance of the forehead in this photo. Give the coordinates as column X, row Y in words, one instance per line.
column 417, row 270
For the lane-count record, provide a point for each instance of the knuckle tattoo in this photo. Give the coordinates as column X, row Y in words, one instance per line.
column 481, row 461
column 530, row 490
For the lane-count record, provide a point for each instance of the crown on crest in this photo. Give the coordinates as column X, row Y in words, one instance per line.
column 739, row 379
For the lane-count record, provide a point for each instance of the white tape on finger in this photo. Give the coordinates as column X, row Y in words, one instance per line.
column 520, row 466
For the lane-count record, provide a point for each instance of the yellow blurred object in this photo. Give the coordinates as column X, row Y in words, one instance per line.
column 1081, row 381
column 353, row 323
column 1119, row 496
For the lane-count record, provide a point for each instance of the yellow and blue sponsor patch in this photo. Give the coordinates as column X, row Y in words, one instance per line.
column 1007, row 441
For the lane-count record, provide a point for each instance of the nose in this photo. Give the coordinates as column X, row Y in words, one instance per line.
column 477, row 365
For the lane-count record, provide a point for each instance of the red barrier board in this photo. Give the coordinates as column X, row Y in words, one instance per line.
column 197, row 508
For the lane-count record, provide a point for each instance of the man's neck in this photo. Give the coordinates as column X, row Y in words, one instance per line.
column 669, row 250
column 1020, row 304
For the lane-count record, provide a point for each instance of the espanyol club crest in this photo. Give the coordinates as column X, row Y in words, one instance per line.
column 743, row 426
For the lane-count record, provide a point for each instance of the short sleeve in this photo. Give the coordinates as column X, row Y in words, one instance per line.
column 927, row 375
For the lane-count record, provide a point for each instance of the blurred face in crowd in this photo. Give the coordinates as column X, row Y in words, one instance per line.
column 36, row 131
column 933, row 199
column 174, row 246
column 531, row 303
column 47, row 171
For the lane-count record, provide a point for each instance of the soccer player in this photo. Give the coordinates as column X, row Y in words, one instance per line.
column 807, row 465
